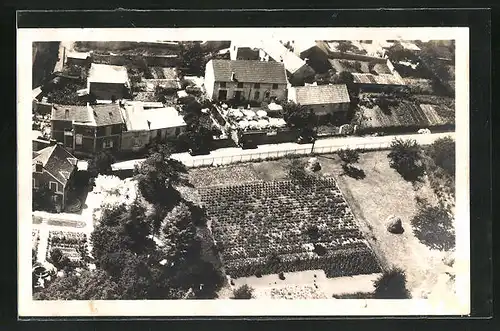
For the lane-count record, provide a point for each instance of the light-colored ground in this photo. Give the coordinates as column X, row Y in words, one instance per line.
column 310, row 284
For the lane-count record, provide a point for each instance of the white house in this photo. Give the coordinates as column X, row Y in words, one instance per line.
column 107, row 82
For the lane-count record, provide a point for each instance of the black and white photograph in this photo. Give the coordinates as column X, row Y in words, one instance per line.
column 243, row 171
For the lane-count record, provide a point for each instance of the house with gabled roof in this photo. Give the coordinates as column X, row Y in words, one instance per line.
column 55, row 167
column 87, row 129
column 322, row 99
column 108, row 82
column 241, row 80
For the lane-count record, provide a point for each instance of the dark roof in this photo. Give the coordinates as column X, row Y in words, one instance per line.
column 58, row 162
column 322, row 94
column 250, row 71
column 107, row 114
column 75, row 113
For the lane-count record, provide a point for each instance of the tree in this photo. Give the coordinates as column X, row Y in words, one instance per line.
column 243, row 292
column 297, row 115
column 406, row 159
column 391, row 285
column 433, row 226
column 100, row 164
column 43, row 198
column 348, row 156
column 192, row 58
column 89, row 285
column 200, row 128
column 156, row 177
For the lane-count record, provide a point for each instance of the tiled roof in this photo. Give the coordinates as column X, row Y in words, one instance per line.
column 75, row 113
column 104, row 73
column 250, row 71
column 322, row 94
column 280, row 53
column 57, row 161
column 107, row 114
column 377, row 79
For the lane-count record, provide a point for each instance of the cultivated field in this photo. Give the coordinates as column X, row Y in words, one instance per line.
column 67, row 242
column 286, row 226
column 382, row 193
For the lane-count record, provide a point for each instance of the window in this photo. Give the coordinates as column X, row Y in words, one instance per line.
column 256, row 95
column 223, row 84
column 275, row 86
column 256, row 85
column 108, row 130
column 79, row 139
column 38, row 167
column 53, row 186
column 107, row 143
column 35, row 183
column 177, row 131
column 240, row 85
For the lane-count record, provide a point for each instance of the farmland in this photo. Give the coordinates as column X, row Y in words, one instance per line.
column 286, row 226
column 421, row 113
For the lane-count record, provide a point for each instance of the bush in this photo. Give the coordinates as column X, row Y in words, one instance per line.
column 406, row 159
column 243, row 292
column 281, row 275
column 391, row 285
column 433, row 226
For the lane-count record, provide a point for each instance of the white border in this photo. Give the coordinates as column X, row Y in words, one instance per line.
column 328, row 307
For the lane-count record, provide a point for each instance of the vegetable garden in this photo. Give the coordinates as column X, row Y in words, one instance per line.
column 68, row 242
column 286, row 226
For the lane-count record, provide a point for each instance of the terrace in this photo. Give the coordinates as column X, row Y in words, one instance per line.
column 253, row 119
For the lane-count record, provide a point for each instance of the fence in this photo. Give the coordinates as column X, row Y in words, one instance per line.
column 270, row 155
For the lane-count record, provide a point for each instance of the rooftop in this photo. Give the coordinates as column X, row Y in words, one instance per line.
column 104, row 73
column 57, row 161
column 280, row 53
column 322, row 94
column 107, row 114
column 251, row 71
column 139, row 119
column 71, row 113
column 382, row 79
column 78, row 55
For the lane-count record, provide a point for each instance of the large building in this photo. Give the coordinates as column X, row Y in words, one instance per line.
column 54, row 166
column 107, row 82
column 322, row 99
column 245, row 80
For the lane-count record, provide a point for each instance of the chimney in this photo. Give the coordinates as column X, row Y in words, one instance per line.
column 149, row 125
column 110, row 114
column 233, row 78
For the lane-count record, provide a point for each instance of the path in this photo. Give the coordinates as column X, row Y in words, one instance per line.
column 322, row 146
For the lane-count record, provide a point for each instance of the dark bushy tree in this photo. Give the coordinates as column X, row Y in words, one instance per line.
column 348, row 156
column 89, row 285
column 243, row 292
column 391, row 285
column 406, row 159
column 100, row 164
column 442, row 152
column 433, row 226
column 298, row 116
column 192, row 58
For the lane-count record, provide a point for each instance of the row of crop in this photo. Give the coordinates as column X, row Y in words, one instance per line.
column 67, row 238
column 338, row 264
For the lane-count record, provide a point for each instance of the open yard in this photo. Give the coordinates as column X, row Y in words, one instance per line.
column 382, row 193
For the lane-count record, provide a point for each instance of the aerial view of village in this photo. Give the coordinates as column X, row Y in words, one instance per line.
column 243, row 169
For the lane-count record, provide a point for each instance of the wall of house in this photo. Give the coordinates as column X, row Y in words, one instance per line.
column 88, row 138
column 248, row 91
column 58, row 128
column 77, row 61
column 134, row 140
column 115, row 139
column 104, row 91
column 39, row 144
column 46, row 177
column 323, row 109
column 358, row 57
column 42, row 108
column 115, row 129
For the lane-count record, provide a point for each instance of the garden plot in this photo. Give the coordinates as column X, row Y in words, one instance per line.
column 286, row 226
column 67, row 242
column 35, row 239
